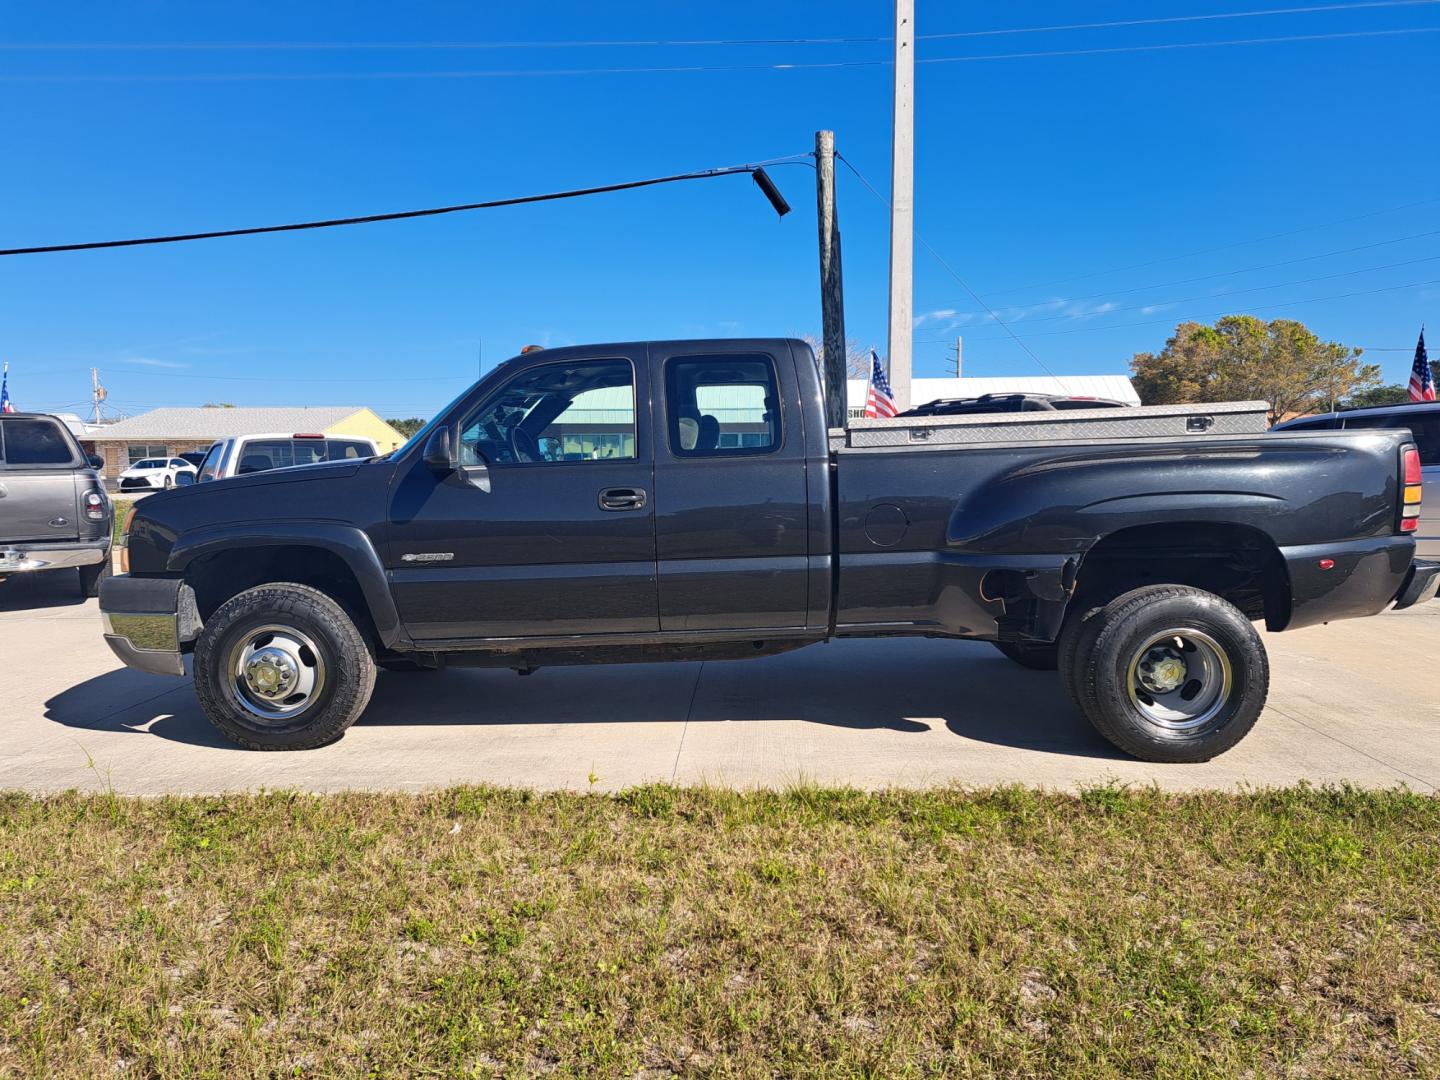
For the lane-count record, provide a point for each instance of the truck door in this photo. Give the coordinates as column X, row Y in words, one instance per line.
column 548, row 525
column 732, row 525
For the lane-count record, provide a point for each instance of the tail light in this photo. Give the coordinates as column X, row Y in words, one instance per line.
column 125, row 541
column 94, row 506
column 1411, row 489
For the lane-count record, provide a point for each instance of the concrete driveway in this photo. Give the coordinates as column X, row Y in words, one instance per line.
column 1355, row 701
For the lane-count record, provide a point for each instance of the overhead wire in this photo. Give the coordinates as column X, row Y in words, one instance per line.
column 1222, row 313
column 501, row 73
column 326, row 46
column 1191, row 299
column 702, row 174
column 952, row 272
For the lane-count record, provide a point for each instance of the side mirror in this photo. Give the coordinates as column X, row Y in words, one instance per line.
column 184, row 479
column 95, row 460
column 437, row 450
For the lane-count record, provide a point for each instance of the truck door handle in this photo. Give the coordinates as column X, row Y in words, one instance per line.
column 622, row 499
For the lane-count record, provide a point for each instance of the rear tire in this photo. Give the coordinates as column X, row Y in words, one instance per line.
column 92, row 576
column 282, row 667
column 1170, row 673
column 1038, row 656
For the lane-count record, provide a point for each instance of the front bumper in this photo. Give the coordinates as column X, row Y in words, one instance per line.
column 1421, row 584
column 148, row 622
column 42, row 555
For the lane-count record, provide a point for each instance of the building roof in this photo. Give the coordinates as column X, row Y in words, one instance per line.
column 1115, row 387
column 218, row 423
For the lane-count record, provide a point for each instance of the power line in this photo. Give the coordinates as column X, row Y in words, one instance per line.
column 1220, row 314
column 1179, row 19
column 951, row 271
column 1210, row 296
column 351, row 76
column 755, row 170
column 1219, row 247
column 1263, row 266
column 373, row 46
column 149, row 373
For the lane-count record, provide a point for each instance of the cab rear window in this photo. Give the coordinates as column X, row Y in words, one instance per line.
column 34, row 442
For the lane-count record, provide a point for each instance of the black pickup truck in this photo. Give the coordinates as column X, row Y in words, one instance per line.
column 685, row 500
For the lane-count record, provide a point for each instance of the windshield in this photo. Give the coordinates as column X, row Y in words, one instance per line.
column 424, row 433
column 149, row 463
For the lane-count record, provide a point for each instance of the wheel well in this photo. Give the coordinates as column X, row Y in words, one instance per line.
column 216, row 578
column 1239, row 563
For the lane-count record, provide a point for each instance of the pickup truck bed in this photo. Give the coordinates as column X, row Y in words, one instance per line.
column 685, row 500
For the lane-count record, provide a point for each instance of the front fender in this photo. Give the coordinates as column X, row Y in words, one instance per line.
column 349, row 543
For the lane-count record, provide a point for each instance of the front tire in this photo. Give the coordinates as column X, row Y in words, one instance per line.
column 1170, row 673
column 1038, row 656
column 282, row 667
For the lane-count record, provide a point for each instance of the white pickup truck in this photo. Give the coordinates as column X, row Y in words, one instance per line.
column 239, row 455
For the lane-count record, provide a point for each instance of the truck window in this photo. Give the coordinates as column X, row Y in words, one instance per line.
column 722, row 405
column 35, row 442
column 347, row 449
column 556, row 413
column 1424, row 425
column 210, row 467
column 307, row 451
column 262, row 455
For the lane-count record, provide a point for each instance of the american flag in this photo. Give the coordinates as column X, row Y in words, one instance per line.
column 879, row 402
column 6, row 405
column 1422, row 379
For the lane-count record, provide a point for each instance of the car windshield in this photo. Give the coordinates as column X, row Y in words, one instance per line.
column 424, row 433
column 149, row 463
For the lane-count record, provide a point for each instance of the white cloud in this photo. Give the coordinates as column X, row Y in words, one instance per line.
column 151, row 362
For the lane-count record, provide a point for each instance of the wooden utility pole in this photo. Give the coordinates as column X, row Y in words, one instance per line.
column 832, row 291
column 902, row 203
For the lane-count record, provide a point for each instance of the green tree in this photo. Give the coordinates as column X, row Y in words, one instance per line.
column 1242, row 358
column 409, row 426
column 1394, row 394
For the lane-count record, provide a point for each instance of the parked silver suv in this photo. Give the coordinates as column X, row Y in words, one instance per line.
column 54, row 514
column 1423, row 420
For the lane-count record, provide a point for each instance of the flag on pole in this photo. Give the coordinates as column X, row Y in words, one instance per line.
column 879, row 401
column 6, row 405
column 1422, row 379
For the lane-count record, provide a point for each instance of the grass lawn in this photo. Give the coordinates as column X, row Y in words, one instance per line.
column 121, row 507
column 707, row 933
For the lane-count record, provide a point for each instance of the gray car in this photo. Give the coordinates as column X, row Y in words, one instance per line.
column 54, row 514
column 1423, row 420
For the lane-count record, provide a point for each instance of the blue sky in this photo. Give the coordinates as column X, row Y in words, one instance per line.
column 1092, row 200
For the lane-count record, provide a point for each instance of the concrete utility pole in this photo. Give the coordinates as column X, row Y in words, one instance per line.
column 832, row 290
column 959, row 356
column 902, row 203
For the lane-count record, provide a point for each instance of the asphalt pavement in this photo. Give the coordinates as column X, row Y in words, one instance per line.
column 1355, row 702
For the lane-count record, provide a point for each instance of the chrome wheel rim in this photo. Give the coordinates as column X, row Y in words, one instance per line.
column 276, row 673
column 1179, row 680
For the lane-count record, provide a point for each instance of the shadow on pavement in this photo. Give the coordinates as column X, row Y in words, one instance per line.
column 858, row 685
column 40, row 589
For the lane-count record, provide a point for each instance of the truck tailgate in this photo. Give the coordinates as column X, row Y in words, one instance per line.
column 40, row 505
